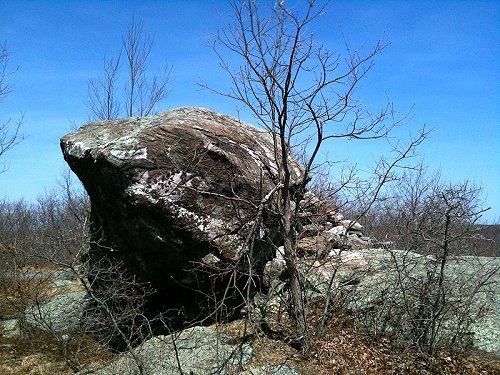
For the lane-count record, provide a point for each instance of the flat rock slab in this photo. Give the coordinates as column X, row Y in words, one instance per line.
column 10, row 328
column 379, row 279
column 271, row 370
column 194, row 351
column 60, row 314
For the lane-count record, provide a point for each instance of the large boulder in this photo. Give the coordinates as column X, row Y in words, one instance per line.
column 177, row 191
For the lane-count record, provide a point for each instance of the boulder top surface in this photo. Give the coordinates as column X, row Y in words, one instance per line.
column 124, row 139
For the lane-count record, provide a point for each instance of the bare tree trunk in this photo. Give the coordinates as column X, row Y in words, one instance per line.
column 302, row 94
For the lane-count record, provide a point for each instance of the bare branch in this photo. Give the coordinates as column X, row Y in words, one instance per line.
column 9, row 130
column 141, row 92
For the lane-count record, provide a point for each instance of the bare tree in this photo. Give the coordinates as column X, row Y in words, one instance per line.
column 9, row 131
column 304, row 95
column 142, row 90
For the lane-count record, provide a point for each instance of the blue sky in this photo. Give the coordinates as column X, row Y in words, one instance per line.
column 443, row 61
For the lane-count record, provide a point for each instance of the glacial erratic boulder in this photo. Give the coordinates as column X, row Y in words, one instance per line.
column 176, row 189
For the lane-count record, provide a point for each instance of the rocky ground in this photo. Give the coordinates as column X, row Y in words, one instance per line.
column 236, row 348
column 338, row 351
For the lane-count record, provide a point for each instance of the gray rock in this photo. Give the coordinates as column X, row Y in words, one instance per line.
column 58, row 314
column 351, row 225
column 10, row 328
column 337, row 231
column 356, row 242
column 378, row 281
column 273, row 270
column 271, row 370
column 337, row 217
column 194, row 351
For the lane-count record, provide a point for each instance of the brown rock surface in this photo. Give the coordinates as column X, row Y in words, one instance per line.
column 174, row 190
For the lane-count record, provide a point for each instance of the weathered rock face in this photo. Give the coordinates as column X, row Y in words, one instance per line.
column 175, row 189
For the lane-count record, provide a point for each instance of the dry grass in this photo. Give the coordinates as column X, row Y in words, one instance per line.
column 39, row 287
column 21, row 357
column 342, row 349
column 37, row 353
